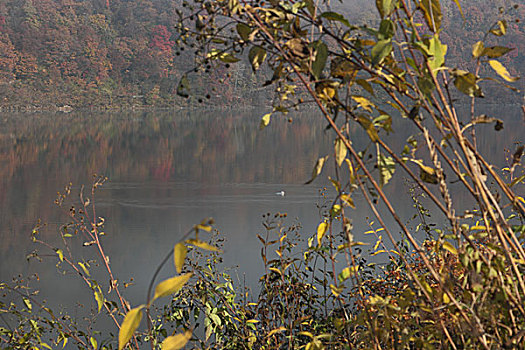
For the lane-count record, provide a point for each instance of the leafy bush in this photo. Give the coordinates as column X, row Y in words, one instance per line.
column 461, row 288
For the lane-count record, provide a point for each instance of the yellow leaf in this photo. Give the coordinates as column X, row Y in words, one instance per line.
column 308, row 334
column 450, row 248
column 336, row 184
column 477, row 49
column 426, row 173
column 321, row 230
column 99, row 297
column 83, row 266
column 336, row 210
column 179, row 255
column 351, row 170
column 501, row 29
column 203, row 245
column 60, row 254
column 317, row 169
column 171, row 285
column 363, row 103
column 265, row 120
column 378, row 242
column 369, row 127
column 203, row 227
column 93, row 342
column 502, row 71
column 336, row 290
column 378, row 252
column 446, row 298
column 276, row 330
column 348, row 200
column 176, row 342
column 340, row 151
column 274, row 269
column 129, row 325
column 252, row 321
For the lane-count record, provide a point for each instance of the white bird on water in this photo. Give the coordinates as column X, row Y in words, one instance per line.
column 280, row 193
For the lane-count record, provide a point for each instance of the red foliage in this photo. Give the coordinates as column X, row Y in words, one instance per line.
column 161, row 38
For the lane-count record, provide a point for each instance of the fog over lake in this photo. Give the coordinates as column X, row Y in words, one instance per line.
column 169, row 170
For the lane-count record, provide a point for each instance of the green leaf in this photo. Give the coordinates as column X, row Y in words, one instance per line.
column 426, row 84
column 129, row 326
column 257, row 55
column 203, row 245
column 345, row 274
column 321, row 230
column 365, row 85
column 387, row 29
column 496, row 51
column 438, row 51
column 320, row 59
column 244, row 31
column 340, row 151
column 171, row 285
column 380, row 50
column 179, row 255
column 500, row 28
column 383, row 121
column 466, row 82
column 432, row 12
column 317, row 169
column 385, row 7
column 310, row 6
column 176, row 342
column 502, row 71
column 334, row 16
column 265, row 120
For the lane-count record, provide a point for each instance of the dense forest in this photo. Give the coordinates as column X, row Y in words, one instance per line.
column 128, row 52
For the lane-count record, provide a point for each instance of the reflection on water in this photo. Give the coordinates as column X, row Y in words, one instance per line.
column 167, row 172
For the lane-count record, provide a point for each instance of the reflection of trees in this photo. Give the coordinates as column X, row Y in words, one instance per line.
column 39, row 154
column 161, row 146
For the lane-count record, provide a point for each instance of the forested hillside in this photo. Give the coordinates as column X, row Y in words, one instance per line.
column 127, row 52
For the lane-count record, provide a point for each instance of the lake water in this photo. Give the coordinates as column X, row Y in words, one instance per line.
column 169, row 170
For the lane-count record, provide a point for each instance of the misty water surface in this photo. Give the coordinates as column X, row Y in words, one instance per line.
column 169, row 170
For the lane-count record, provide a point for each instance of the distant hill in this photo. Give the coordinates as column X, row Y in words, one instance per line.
column 126, row 52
